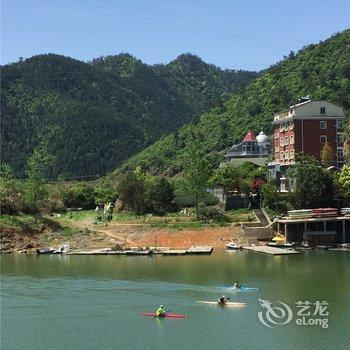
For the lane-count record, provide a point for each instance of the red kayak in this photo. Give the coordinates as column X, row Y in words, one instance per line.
column 152, row 314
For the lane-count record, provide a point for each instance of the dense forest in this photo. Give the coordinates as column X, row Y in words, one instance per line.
column 321, row 71
column 90, row 117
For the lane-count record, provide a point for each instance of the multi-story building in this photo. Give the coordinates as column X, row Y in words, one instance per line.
column 304, row 128
column 251, row 149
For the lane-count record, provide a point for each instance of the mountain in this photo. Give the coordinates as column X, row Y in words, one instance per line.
column 202, row 85
column 92, row 116
column 321, row 71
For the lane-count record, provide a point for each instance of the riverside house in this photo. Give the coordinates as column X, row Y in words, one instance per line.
column 304, row 128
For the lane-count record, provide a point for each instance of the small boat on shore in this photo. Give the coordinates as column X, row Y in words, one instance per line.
column 62, row 249
column 227, row 303
column 233, row 246
column 48, row 250
column 280, row 245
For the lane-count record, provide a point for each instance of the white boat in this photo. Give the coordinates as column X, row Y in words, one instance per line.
column 280, row 245
column 233, row 246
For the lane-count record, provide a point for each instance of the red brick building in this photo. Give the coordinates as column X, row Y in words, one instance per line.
column 304, row 128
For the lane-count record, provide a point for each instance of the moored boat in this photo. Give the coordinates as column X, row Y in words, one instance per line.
column 280, row 245
column 48, row 250
column 233, row 246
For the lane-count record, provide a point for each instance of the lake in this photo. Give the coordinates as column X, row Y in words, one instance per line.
column 93, row 302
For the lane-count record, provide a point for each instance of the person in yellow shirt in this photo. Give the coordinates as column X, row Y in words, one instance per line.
column 160, row 311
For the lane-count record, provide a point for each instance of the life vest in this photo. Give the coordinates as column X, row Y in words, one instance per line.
column 160, row 311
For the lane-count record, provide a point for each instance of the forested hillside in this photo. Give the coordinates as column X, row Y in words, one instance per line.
column 321, row 71
column 92, row 116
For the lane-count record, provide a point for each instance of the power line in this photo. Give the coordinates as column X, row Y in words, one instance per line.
column 209, row 23
column 132, row 14
column 108, row 13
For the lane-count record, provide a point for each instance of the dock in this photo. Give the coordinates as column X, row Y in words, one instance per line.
column 112, row 252
column 192, row 250
column 198, row 249
column 175, row 252
column 271, row 250
column 136, row 252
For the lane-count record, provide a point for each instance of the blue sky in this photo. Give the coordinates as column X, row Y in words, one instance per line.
column 236, row 34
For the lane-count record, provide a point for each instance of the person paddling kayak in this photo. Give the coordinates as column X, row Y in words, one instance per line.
column 160, row 311
column 223, row 300
column 237, row 285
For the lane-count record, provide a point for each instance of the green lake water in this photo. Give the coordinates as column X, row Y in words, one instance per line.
column 93, row 302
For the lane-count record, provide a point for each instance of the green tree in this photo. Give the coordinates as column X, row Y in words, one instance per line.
column 159, row 195
column 344, row 183
column 105, row 191
column 35, row 187
column 314, row 184
column 11, row 189
column 347, row 142
column 79, row 195
column 272, row 198
column 228, row 178
column 193, row 185
column 131, row 189
column 327, row 155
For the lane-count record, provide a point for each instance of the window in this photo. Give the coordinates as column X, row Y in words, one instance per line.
column 340, row 152
column 323, row 124
column 323, row 139
column 291, row 125
column 323, row 110
column 339, row 124
column 286, row 154
column 340, row 138
column 286, row 140
column 292, row 154
column 291, row 139
column 282, row 155
column 281, row 141
column 276, row 135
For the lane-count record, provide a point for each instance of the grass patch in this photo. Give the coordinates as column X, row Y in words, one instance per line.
column 78, row 215
column 69, row 232
column 241, row 215
column 16, row 221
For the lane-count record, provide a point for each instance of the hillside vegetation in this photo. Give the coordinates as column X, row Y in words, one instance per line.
column 321, row 71
column 92, row 116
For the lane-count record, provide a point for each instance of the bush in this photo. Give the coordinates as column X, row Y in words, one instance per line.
column 213, row 213
column 79, row 195
column 159, row 195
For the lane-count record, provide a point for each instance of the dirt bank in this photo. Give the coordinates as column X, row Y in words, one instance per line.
column 86, row 234
column 216, row 237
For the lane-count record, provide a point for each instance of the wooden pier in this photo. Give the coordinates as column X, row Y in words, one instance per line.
column 175, row 252
column 136, row 252
column 112, row 252
column 192, row 250
column 199, row 249
column 271, row 250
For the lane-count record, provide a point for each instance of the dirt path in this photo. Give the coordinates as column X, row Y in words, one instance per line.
column 143, row 234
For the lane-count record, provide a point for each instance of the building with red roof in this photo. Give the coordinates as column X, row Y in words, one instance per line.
column 251, row 149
